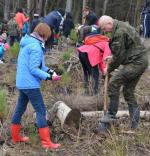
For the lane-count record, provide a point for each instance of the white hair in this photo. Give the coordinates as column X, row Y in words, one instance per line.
column 105, row 19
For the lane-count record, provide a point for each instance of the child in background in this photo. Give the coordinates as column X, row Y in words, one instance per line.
column 3, row 46
column 13, row 30
column 68, row 25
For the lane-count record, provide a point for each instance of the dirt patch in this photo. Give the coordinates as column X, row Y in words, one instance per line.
column 85, row 142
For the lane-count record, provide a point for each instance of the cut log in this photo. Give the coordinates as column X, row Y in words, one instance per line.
column 143, row 114
column 66, row 115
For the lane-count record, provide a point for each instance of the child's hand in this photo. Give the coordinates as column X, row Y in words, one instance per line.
column 56, row 77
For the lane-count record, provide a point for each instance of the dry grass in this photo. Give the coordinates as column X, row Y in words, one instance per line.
column 85, row 142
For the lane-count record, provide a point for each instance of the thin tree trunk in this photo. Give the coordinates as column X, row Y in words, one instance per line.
column 98, row 8
column 40, row 5
column 45, row 7
column 84, row 4
column 68, row 5
column 105, row 6
column 28, row 7
column 6, row 9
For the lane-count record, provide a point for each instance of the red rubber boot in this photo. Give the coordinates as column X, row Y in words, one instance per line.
column 15, row 133
column 46, row 140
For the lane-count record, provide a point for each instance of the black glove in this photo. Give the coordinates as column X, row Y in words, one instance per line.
column 50, row 72
column 49, row 78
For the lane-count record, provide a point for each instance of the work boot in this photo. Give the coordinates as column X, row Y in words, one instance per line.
column 113, row 108
column 134, row 112
column 15, row 133
column 44, row 134
column 112, row 111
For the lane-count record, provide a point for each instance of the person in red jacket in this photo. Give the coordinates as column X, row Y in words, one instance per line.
column 20, row 18
column 92, row 55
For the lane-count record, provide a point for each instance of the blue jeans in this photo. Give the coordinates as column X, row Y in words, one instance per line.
column 36, row 99
column 146, row 26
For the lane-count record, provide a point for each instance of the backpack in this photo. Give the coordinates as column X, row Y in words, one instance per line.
column 92, row 39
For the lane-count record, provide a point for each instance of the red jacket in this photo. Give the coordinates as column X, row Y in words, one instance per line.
column 97, row 53
column 21, row 19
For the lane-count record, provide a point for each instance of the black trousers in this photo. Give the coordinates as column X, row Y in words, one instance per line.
column 89, row 72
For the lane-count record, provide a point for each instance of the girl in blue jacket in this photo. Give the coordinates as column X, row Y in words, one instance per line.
column 31, row 70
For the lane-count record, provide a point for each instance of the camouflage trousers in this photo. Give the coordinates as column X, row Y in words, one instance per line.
column 126, row 77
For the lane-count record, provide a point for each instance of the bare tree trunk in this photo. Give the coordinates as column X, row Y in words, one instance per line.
column 45, row 7
column 68, row 5
column 28, row 7
column 84, row 4
column 98, row 8
column 6, row 9
column 40, row 5
column 18, row 4
column 105, row 6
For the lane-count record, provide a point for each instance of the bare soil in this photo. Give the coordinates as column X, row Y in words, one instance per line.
column 85, row 142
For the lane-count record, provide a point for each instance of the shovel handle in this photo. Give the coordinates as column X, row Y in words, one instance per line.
column 105, row 91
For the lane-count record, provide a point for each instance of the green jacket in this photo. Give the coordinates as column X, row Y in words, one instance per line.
column 126, row 46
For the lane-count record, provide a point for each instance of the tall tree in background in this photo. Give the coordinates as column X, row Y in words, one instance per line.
column 45, row 7
column 68, row 5
column 83, row 6
column 128, row 10
column 28, row 7
column 105, row 6
column 6, row 9
column 40, row 7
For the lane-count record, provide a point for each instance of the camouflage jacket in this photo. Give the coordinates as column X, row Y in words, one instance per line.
column 13, row 29
column 125, row 45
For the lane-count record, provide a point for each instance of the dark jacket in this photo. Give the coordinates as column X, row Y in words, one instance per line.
column 91, row 19
column 53, row 19
column 34, row 23
column 67, row 25
column 146, row 8
column 126, row 46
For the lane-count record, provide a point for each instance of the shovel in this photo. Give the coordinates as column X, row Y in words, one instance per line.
column 105, row 121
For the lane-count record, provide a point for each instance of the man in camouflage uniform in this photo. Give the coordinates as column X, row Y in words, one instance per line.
column 127, row 51
column 13, row 30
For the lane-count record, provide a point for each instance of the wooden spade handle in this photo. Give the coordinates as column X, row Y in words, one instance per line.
column 105, row 91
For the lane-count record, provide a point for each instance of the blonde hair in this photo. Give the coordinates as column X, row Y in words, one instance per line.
column 43, row 30
column 103, row 20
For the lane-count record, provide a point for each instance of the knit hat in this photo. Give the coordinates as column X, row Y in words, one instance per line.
column 3, row 36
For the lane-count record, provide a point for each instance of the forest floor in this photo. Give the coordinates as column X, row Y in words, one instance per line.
column 85, row 142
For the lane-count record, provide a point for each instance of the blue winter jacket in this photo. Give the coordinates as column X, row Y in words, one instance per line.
column 53, row 19
column 31, row 68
